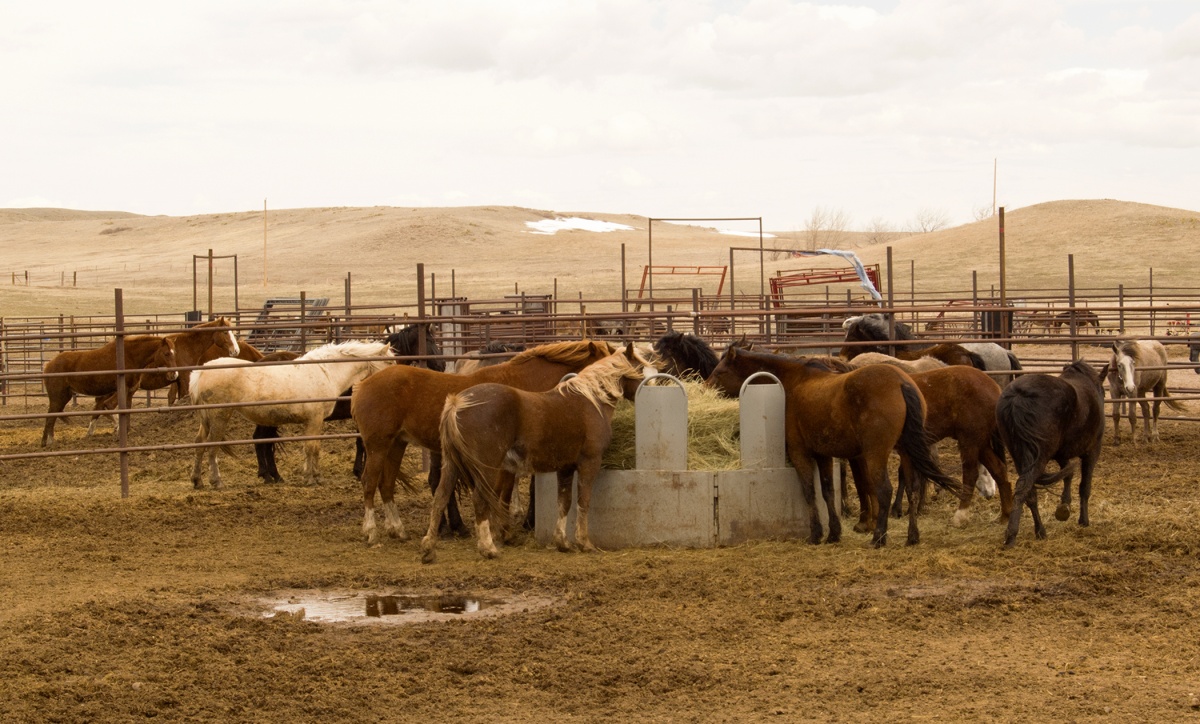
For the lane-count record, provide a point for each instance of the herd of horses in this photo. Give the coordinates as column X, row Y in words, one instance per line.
column 512, row 411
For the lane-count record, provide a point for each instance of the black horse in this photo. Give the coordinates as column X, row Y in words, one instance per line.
column 685, row 355
column 1194, row 351
column 403, row 343
column 1043, row 418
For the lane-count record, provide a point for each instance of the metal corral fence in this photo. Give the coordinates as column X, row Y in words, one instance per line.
column 1050, row 325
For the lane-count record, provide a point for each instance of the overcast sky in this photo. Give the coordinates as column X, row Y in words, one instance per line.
column 874, row 109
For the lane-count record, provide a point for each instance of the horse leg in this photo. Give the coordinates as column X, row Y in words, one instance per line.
column 102, row 403
column 970, row 477
column 1146, row 421
column 804, row 469
column 481, row 498
column 825, row 470
column 360, row 457
column 437, row 510
column 452, row 522
column 843, row 474
column 373, row 473
column 866, row 500
column 1159, row 391
column 387, row 490
column 264, row 452
column 1063, row 511
column 59, row 396
column 877, row 470
column 201, row 436
column 1024, row 489
column 531, row 511
column 999, row 470
column 1117, row 413
column 502, row 524
column 1132, row 413
column 565, row 477
column 216, row 432
column 904, row 488
column 1087, row 465
column 312, row 453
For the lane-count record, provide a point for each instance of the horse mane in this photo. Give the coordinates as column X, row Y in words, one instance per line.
column 874, row 327
column 1129, row 348
column 826, row 363
column 567, row 353
column 688, row 352
column 405, row 343
column 353, row 348
column 600, row 382
column 494, row 347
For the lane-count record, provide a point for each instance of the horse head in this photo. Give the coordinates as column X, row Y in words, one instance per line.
column 164, row 356
column 1119, row 371
column 225, row 339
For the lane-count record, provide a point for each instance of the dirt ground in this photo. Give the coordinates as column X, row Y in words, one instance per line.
column 116, row 609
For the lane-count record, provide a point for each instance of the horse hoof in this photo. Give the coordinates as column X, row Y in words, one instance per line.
column 961, row 516
column 862, row 527
column 1062, row 512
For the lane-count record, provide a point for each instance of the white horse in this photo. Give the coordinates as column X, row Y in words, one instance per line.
column 996, row 359
column 339, row 367
column 1128, row 382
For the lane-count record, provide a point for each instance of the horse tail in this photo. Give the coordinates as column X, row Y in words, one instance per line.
column 1171, row 401
column 1020, row 422
column 1013, row 362
column 456, row 458
column 997, row 444
column 914, row 441
column 1063, row 472
column 976, row 361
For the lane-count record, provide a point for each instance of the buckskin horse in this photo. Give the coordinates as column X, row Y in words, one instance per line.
column 492, row 432
column 403, row 405
column 334, row 368
column 860, row 415
column 93, row 373
column 1043, row 418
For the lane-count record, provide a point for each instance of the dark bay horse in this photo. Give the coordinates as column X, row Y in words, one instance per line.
column 860, row 415
column 1044, row 418
column 92, row 375
column 403, row 405
column 874, row 328
column 404, row 343
column 684, row 355
column 492, row 432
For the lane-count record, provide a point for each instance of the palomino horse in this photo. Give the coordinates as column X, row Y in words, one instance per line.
column 1044, row 418
column 859, row 415
column 94, row 375
column 338, row 366
column 1128, row 382
column 404, row 343
column 403, row 405
column 492, row 432
column 685, row 355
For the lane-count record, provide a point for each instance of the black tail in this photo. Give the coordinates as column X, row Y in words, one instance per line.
column 977, row 361
column 914, row 441
column 1018, row 421
column 997, row 444
column 1052, row 478
column 1013, row 362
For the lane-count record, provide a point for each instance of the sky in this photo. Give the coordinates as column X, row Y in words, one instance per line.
column 876, row 111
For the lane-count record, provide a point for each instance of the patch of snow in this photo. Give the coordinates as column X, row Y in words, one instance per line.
column 552, row 226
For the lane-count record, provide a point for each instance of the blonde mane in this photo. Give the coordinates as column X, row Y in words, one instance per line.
column 600, row 382
column 567, row 353
column 353, row 348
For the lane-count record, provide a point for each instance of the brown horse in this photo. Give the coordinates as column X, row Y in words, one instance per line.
column 1043, row 418
column 492, row 432
column 403, row 405
column 202, row 343
column 859, row 415
column 94, row 373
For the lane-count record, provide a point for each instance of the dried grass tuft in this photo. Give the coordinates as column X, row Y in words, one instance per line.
column 713, row 432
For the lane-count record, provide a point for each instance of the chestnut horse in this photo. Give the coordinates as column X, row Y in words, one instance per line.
column 859, row 415
column 492, row 432
column 94, row 375
column 1044, row 418
column 202, row 343
column 403, row 405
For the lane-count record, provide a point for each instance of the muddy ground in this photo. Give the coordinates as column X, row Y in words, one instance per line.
column 112, row 609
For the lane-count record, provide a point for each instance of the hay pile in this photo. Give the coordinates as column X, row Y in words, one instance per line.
column 713, row 434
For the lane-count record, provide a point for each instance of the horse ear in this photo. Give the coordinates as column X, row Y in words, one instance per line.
column 629, row 353
column 592, row 349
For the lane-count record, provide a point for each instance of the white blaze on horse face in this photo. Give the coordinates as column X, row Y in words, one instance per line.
column 234, row 349
column 1125, row 370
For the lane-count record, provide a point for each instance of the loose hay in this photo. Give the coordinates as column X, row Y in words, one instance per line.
column 713, row 432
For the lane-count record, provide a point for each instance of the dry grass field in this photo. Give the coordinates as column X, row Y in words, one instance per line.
column 156, row 606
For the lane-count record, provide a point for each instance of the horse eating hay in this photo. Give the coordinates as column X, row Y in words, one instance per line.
column 329, row 370
column 1043, row 418
column 492, row 432
column 859, row 415
column 685, row 355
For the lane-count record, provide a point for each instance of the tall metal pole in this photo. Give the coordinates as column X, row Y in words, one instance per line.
column 122, row 393
column 421, row 348
column 1005, row 332
column 264, row 242
column 210, row 284
column 891, row 305
column 1071, row 304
